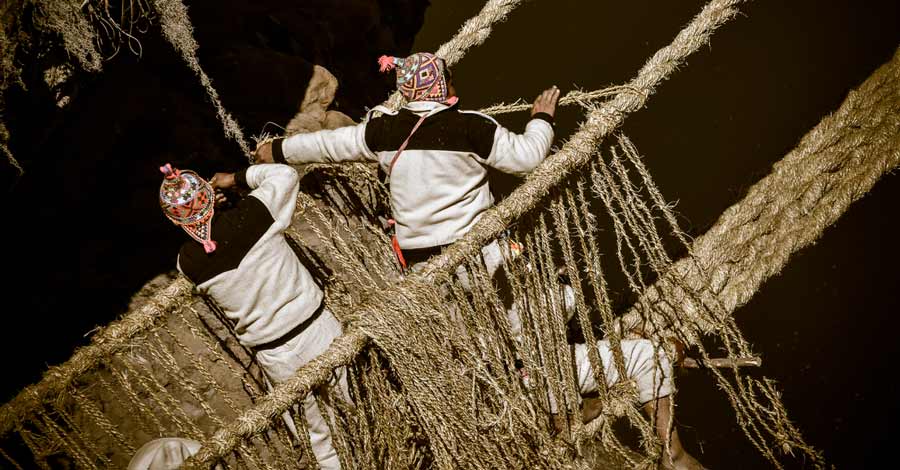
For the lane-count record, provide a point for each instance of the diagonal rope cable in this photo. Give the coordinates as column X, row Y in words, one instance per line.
column 835, row 164
column 113, row 338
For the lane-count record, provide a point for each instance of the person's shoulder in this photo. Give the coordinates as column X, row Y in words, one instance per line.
column 477, row 116
column 478, row 124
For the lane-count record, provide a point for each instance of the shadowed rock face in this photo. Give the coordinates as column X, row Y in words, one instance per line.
column 85, row 221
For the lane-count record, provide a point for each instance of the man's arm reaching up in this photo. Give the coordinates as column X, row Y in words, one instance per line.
column 346, row 144
column 275, row 185
column 519, row 154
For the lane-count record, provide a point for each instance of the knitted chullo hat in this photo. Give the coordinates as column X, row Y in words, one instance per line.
column 420, row 77
column 188, row 200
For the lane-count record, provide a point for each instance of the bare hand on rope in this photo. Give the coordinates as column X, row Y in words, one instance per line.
column 546, row 101
column 263, row 153
column 219, row 182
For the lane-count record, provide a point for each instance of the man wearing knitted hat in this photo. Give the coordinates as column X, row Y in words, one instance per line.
column 240, row 258
column 434, row 154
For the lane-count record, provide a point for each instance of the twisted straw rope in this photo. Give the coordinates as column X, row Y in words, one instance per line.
column 108, row 341
column 575, row 153
column 835, row 164
column 177, row 29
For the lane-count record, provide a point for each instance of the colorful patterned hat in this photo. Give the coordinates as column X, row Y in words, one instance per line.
column 188, row 200
column 420, row 77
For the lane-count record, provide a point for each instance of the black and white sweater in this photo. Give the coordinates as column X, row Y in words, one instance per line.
column 253, row 274
column 439, row 184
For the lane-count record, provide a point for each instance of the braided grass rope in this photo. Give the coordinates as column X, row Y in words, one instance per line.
column 835, row 164
column 103, row 344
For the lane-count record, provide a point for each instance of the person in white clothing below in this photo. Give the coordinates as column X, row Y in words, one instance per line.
column 435, row 157
column 645, row 364
column 240, row 258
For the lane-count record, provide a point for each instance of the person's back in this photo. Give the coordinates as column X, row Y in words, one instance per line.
column 434, row 154
column 252, row 273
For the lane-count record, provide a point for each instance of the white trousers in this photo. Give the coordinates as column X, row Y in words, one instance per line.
column 282, row 362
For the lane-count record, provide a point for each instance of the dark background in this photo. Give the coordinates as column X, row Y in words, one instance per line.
column 826, row 325
column 83, row 231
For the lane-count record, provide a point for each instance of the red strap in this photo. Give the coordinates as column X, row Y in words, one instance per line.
column 403, row 146
column 395, row 245
column 397, row 251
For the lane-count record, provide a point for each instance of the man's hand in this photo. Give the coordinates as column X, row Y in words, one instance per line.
column 222, row 181
column 546, row 101
column 263, row 153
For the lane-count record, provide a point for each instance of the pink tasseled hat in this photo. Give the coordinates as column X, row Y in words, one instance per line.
column 188, row 201
column 420, row 77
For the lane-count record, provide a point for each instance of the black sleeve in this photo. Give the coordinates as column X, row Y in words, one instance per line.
column 240, row 179
column 543, row 117
column 376, row 128
column 481, row 131
column 277, row 151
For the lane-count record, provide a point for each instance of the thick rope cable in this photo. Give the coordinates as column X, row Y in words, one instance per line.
column 103, row 345
column 575, row 153
column 256, row 419
column 476, row 30
column 835, row 164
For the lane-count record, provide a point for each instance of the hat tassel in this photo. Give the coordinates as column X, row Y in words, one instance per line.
column 209, row 246
column 385, row 63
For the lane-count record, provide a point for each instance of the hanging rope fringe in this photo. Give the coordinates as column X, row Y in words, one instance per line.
column 177, row 29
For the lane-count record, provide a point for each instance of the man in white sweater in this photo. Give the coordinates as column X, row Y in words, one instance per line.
column 435, row 155
column 244, row 263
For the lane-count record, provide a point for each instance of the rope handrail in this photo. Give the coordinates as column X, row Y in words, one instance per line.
column 790, row 208
column 110, row 339
column 575, row 153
